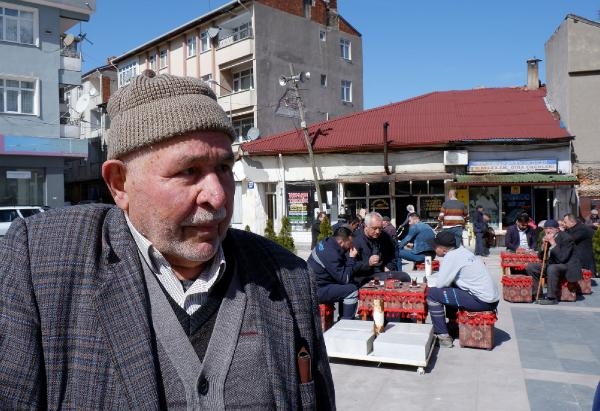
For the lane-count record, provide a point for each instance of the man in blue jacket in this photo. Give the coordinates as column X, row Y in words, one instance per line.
column 332, row 261
column 419, row 235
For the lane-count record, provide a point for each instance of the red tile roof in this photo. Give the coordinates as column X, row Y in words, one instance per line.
column 437, row 118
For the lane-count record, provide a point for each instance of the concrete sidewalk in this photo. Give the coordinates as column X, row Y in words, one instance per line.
column 545, row 358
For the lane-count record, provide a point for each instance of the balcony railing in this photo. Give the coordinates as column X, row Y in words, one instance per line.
column 235, row 37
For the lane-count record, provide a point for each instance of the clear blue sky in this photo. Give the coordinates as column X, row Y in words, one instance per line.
column 410, row 47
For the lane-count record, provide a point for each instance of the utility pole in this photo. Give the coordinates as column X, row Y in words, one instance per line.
column 295, row 79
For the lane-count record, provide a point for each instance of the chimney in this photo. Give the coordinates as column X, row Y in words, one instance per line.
column 533, row 75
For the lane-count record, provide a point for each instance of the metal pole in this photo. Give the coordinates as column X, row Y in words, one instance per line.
column 306, row 139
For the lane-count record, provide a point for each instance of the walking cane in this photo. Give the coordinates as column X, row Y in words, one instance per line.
column 544, row 260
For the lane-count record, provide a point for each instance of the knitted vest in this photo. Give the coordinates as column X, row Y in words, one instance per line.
column 203, row 362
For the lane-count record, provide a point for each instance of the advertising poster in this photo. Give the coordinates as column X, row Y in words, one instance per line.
column 298, row 208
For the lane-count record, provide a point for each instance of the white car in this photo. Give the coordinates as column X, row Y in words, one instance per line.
column 9, row 213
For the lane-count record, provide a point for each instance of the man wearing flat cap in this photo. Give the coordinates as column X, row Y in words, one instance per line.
column 156, row 303
column 462, row 282
column 562, row 261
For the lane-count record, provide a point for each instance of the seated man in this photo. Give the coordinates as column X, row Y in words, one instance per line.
column 581, row 235
column 520, row 235
column 562, row 261
column 462, row 282
column 419, row 234
column 376, row 255
column 332, row 261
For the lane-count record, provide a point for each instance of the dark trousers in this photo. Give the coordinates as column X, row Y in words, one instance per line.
column 480, row 248
column 344, row 294
column 452, row 298
column 553, row 274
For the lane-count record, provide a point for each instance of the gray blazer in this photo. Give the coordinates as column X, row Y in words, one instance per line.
column 75, row 330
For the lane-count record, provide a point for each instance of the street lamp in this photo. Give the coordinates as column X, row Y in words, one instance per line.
column 211, row 81
column 294, row 79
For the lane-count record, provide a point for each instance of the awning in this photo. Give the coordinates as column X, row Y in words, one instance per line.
column 515, row 179
column 372, row 178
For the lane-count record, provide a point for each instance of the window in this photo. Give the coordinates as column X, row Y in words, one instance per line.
column 242, row 126
column 345, row 49
column 191, row 46
column 243, row 80
column 18, row 96
column 204, row 41
column 323, row 80
column 18, row 24
column 152, row 62
column 242, row 32
column 162, row 59
column 322, row 35
column 127, row 72
column 95, row 119
column 206, row 78
column 346, row 91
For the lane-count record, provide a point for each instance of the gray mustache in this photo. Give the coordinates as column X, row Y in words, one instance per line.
column 203, row 217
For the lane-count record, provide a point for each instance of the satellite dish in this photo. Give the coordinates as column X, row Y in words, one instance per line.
column 82, row 103
column 68, row 40
column 253, row 133
column 93, row 91
column 282, row 81
column 213, row 32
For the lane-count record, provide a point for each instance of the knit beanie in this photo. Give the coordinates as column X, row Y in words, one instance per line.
column 154, row 108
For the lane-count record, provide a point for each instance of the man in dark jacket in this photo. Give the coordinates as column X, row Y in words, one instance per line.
column 479, row 228
column 562, row 262
column 582, row 237
column 316, row 228
column 332, row 261
column 376, row 255
column 520, row 235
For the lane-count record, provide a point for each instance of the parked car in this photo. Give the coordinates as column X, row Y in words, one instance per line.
column 9, row 213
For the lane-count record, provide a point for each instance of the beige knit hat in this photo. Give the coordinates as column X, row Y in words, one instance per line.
column 155, row 108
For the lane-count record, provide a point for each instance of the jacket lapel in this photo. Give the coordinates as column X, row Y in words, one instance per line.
column 123, row 313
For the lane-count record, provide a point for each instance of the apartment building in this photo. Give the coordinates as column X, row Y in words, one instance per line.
column 573, row 77
column 83, row 112
column 245, row 46
column 38, row 60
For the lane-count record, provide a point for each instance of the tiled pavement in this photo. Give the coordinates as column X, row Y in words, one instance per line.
column 546, row 358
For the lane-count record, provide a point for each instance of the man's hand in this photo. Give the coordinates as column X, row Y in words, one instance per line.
column 549, row 238
column 353, row 252
column 374, row 260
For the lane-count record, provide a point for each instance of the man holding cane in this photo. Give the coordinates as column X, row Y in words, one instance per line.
column 561, row 262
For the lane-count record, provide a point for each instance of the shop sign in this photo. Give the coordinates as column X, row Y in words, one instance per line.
column 298, row 208
column 19, row 175
column 511, row 166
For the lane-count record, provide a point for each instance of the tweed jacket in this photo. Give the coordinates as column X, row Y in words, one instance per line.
column 75, row 328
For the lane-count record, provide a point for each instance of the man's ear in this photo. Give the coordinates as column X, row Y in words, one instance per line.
column 114, row 173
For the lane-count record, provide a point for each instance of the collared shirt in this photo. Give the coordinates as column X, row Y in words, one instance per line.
column 523, row 241
column 188, row 294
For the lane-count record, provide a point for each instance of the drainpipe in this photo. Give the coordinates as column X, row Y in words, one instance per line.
column 385, row 148
column 283, row 202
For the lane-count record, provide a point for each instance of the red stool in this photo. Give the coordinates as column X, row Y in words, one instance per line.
column 517, row 288
column 476, row 328
column 568, row 291
column 326, row 312
column 584, row 286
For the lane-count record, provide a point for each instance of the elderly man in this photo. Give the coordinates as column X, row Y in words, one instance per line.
column 562, row 262
column 419, row 235
column 521, row 235
column 581, row 235
column 332, row 261
column 462, row 282
column 376, row 255
column 156, row 303
column 593, row 219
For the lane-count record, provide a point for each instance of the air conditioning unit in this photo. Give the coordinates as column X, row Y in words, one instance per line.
column 456, row 158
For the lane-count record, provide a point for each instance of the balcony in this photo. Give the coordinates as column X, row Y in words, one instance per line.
column 70, row 131
column 234, row 46
column 70, row 66
column 238, row 101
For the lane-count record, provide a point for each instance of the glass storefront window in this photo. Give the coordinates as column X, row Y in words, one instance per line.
column 515, row 200
column 379, row 189
column 436, row 186
column 355, row 190
column 20, row 186
column 487, row 197
column 419, row 187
